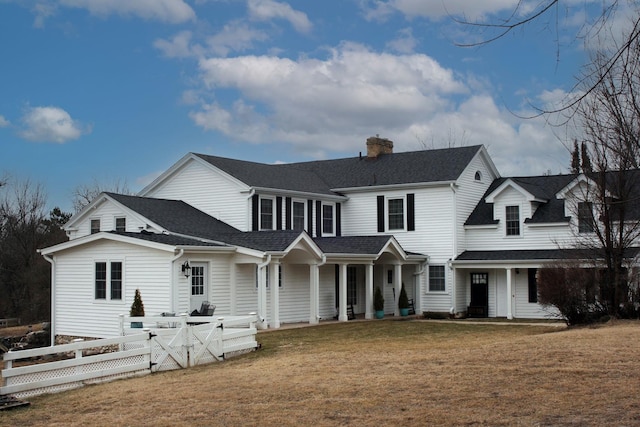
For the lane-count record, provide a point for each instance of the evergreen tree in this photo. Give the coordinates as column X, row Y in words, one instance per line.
column 575, row 158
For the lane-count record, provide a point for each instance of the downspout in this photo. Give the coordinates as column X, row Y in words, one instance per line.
column 53, row 293
column 455, row 248
column 174, row 288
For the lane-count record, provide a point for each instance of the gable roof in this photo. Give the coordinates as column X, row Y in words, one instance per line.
column 542, row 187
column 330, row 176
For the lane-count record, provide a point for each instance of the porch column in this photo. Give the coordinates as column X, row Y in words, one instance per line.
column 274, row 275
column 509, row 292
column 342, row 289
column 368, row 283
column 314, row 294
column 262, row 297
column 397, row 284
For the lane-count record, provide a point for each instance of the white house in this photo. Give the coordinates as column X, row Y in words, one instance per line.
column 306, row 241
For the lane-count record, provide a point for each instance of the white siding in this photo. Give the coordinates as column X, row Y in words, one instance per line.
column 78, row 313
column 209, row 191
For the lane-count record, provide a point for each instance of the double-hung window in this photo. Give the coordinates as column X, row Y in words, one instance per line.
column 121, row 224
column 436, row 278
column 298, row 215
column 95, row 226
column 512, row 216
column 266, row 214
column 585, row 217
column 396, row 214
column 108, row 280
column 328, row 222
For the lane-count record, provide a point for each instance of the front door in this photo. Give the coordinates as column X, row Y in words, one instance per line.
column 199, row 287
column 479, row 306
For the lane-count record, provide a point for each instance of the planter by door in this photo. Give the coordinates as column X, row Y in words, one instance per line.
column 379, row 314
column 136, row 324
column 404, row 312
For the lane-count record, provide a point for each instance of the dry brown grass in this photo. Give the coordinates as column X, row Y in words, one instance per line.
column 381, row 373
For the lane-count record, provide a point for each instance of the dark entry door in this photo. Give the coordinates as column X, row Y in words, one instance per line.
column 479, row 306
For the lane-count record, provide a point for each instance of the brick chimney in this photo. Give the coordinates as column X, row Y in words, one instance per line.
column 377, row 146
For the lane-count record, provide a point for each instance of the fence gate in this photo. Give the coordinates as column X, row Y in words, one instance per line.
column 169, row 350
column 206, row 344
column 187, row 346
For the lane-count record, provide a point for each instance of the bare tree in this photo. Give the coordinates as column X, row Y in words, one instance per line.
column 547, row 13
column 24, row 227
column 85, row 193
column 607, row 202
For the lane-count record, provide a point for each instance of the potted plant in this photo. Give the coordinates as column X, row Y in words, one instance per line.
column 137, row 309
column 403, row 302
column 378, row 303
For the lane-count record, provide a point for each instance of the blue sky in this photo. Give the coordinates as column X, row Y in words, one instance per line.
column 119, row 90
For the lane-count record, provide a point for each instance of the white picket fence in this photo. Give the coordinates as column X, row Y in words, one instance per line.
column 174, row 343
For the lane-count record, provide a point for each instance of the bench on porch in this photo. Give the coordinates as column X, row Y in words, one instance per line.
column 412, row 307
column 351, row 314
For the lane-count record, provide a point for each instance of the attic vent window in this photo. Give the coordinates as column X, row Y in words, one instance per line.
column 478, row 176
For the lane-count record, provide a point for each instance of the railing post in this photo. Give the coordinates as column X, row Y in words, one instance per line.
column 252, row 324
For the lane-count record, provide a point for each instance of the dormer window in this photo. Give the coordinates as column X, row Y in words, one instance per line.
column 478, row 176
column 512, row 220
column 585, row 217
column 121, row 225
column 328, row 223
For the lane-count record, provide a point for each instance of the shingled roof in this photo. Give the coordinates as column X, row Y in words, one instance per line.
column 175, row 216
column 326, row 176
column 541, row 187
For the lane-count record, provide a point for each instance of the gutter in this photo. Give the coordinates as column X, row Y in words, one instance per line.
column 53, row 293
column 173, row 283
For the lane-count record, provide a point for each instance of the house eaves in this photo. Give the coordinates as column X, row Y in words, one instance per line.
column 391, row 187
column 300, row 194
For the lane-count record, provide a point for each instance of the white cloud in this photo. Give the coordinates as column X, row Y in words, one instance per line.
column 333, row 104
column 50, row 124
column 437, row 9
column 4, row 122
column 265, row 10
column 172, row 11
column 179, row 46
column 405, row 42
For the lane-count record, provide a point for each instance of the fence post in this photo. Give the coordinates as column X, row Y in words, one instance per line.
column 121, row 316
column 147, row 344
column 78, row 355
column 186, row 337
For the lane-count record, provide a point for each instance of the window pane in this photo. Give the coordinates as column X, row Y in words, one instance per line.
column 396, row 214
column 95, row 226
column 116, row 280
column 436, row 278
column 327, row 219
column 298, row 216
column 513, row 220
column 101, row 280
column 266, row 214
column 121, row 224
column 585, row 217
column 197, row 280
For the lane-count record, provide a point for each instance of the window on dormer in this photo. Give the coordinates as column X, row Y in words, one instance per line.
column 121, row 224
column 478, row 176
column 95, row 226
column 512, row 214
column 585, row 217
